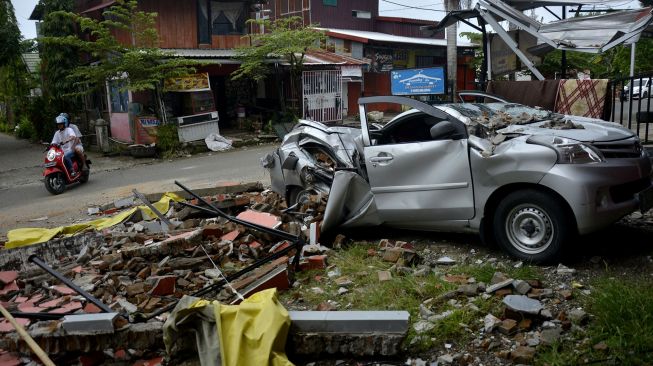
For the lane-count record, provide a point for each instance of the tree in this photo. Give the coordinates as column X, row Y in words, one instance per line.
column 285, row 38
column 10, row 37
column 58, row 61
column 139, row 65
column 477, row 39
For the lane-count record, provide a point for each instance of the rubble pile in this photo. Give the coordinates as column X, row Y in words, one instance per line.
column 143, row 266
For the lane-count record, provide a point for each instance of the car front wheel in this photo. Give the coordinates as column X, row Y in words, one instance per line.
column 532, row 225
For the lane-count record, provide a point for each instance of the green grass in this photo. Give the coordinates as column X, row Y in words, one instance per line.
column 402, row 292
column 622, row 318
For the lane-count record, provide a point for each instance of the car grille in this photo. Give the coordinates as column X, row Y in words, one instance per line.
column 627, row 191
column 620, row 150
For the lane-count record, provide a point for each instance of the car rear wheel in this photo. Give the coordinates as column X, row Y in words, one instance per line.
column 532, row 226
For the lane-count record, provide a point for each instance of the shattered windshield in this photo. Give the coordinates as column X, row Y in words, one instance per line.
column 509, row 113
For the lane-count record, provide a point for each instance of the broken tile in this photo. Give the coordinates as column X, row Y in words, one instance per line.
column 28, row 307
column 261, row 218
column 63, row 290
column 10, row 359
column 91, row 308
column 231, row 236
column 508, row 327
column 7, row 277
column 9, row 288
column 7, row 327
column 163, row 285
column 68, row 308
column 52, row 303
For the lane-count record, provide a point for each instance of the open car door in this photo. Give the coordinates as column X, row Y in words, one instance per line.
column 418, row 165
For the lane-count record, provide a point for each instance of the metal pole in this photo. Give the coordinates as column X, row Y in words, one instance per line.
column 36, row 260
column 632, row 60
column 563, row 61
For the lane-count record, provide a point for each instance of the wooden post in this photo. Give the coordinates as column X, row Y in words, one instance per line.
column 26, row 337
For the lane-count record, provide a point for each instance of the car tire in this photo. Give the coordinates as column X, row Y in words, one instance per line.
column 532, row 226
column 297, row 194
column 55, row 183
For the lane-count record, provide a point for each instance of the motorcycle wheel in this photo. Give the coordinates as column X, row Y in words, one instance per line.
column 55, row 183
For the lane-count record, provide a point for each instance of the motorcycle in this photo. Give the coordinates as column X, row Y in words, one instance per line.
column 57, row 177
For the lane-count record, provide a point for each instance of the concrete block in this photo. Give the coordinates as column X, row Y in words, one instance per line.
column 349, row 321
column 86, row 324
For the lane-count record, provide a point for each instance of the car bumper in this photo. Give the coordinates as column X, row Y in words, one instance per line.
column 600, row 194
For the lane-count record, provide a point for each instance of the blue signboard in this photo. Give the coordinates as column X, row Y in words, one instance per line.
column 418, row 81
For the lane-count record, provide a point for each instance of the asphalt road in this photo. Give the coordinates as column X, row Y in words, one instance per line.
column 24, row 201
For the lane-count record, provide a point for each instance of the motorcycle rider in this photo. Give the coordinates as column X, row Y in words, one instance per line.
column 67, row 138
column 79, row 148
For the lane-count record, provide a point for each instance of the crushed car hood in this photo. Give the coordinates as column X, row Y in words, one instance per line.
column 576, row 128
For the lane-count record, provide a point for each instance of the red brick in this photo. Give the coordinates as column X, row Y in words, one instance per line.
column 9, row 359
column 255, row 245
column 211, row 230
column 90, row 308
column 231, row 236
column 110, row 211
column 279, row 246
column 34, row 299
column 165, row 285
column 7, row 277
column 6, row 327
column 153, row 362
column 260, row 218
column 314, row 262
column 120, row 354
column 21, row 299
column 12, row 287
column 77, row 269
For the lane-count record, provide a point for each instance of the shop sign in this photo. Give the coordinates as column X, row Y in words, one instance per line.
column 418, row 81
column 189, row 83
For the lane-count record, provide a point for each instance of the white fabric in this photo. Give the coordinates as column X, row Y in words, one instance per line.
column 79, row 145
column 215, row 142
column 67, row 134
column 231, row 11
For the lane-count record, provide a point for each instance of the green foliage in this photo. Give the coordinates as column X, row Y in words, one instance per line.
column 25, row 129
column 42, row 115
column 4, row 126
column 622, row 318
column 167, row 139
column 285, row 38
column 475, row 38
column 142, row 62
column 9, row 34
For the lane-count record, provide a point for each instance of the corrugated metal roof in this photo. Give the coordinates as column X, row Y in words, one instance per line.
column 201, row 52
column 32, row 61
column 330, row 58
column 389, row 38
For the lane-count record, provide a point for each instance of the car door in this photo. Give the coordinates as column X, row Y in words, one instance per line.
column 420, row 179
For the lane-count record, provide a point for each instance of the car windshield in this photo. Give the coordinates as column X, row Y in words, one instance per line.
column 488, row 110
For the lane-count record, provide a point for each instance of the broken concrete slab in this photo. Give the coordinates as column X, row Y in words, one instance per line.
column 349, row 321
column 89, row 324
column 523, row 304
column 498, row 286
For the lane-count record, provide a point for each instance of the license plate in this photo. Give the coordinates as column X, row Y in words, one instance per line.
column 47, row 165
column 645, row 199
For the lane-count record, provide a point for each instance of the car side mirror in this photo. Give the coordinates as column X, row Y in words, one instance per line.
column 444, row 130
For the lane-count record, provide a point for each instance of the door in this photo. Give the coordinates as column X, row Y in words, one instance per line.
column 322, row 95
column 415, row 178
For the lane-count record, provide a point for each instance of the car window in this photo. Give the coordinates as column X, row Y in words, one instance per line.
column 413, row 128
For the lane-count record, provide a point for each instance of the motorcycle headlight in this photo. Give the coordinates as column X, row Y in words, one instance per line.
column 569, row 151
column 51, row 155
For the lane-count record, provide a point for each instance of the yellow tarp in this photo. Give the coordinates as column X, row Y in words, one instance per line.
column 28, row 236
column 251, row 333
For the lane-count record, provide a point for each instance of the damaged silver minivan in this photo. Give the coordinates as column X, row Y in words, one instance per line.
column 526, row 178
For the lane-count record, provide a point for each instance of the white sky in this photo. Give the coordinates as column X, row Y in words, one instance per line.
column 432, row 10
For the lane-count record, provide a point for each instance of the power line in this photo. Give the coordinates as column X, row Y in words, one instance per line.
column 396, row 9
column 413, row 7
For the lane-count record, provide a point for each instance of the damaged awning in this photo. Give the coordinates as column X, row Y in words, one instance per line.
column 591, row 34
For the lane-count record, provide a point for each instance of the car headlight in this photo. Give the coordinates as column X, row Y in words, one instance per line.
column 569, row 151
column 51, row 155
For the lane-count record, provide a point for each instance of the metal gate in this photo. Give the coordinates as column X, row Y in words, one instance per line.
column 322, row 95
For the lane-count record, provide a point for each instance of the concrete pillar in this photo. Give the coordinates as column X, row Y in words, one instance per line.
column 102, row 134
